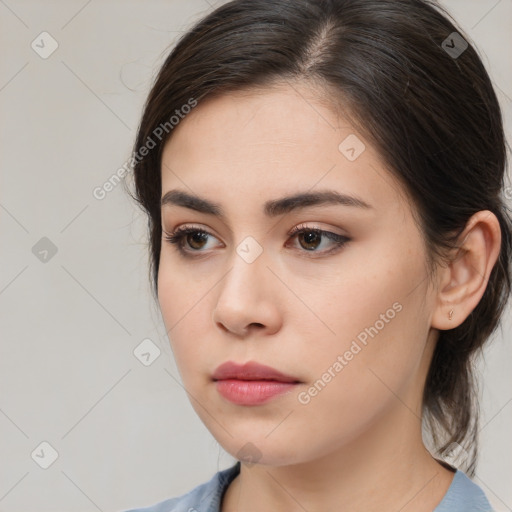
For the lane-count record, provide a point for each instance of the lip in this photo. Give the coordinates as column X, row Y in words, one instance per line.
column 250, row 371
column 251, row 383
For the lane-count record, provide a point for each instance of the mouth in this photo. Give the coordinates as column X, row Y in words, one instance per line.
column 251, row 383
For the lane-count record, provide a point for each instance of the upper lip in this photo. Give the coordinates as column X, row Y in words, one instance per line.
column 250, row 371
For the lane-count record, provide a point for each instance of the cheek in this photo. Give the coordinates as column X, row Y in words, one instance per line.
column 371, row 367
column 182, row 286
column 182, row 301
column 367, row 290
column 376, row 320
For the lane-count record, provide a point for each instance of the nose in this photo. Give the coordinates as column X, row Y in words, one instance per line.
column 247, row 302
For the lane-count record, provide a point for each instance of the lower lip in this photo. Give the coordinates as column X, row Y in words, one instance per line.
column 252, row 392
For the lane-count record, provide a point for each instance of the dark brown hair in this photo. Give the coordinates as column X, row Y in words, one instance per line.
column 416, row 92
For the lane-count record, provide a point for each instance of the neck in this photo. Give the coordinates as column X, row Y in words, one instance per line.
column 386, row 468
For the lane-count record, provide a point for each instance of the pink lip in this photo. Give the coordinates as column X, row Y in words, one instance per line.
column 251, row 383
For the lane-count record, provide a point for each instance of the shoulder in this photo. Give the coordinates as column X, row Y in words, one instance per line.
column 205, row 497
column 464, row 495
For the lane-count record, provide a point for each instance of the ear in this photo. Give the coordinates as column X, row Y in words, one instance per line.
column 462, row 283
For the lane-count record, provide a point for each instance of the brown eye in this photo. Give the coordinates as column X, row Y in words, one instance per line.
column 197, row 239
column 190, row 241
column 312, row 239
column 317, row 241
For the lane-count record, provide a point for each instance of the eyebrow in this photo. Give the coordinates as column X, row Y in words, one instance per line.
column 272, row 208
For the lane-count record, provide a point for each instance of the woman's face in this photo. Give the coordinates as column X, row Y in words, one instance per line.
column 346, row 314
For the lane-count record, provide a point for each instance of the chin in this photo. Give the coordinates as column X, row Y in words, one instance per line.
column 257, row 449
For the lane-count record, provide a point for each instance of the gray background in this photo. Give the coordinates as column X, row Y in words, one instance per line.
column 124, row 432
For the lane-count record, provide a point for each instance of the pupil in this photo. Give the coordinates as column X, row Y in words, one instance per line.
column 197, row 238
column 311, row 238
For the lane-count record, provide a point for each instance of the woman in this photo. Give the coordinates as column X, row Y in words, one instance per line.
column 330, row 249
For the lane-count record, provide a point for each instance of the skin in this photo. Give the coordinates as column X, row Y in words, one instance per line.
column 357, row 444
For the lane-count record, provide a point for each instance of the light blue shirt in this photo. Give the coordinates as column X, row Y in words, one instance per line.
column 463, row 495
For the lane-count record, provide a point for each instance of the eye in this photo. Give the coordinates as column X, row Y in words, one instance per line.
column 195, row 238
column 192, row 241
column 311, row 238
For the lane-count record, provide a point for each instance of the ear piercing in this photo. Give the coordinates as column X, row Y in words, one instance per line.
column 450, row 314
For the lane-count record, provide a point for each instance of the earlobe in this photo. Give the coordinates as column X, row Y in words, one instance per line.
column 462, row 282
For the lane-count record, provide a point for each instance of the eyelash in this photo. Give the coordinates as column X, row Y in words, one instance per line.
column 176, row 238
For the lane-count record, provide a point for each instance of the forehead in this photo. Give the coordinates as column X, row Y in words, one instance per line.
column 282, row 119
column 268, row 143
